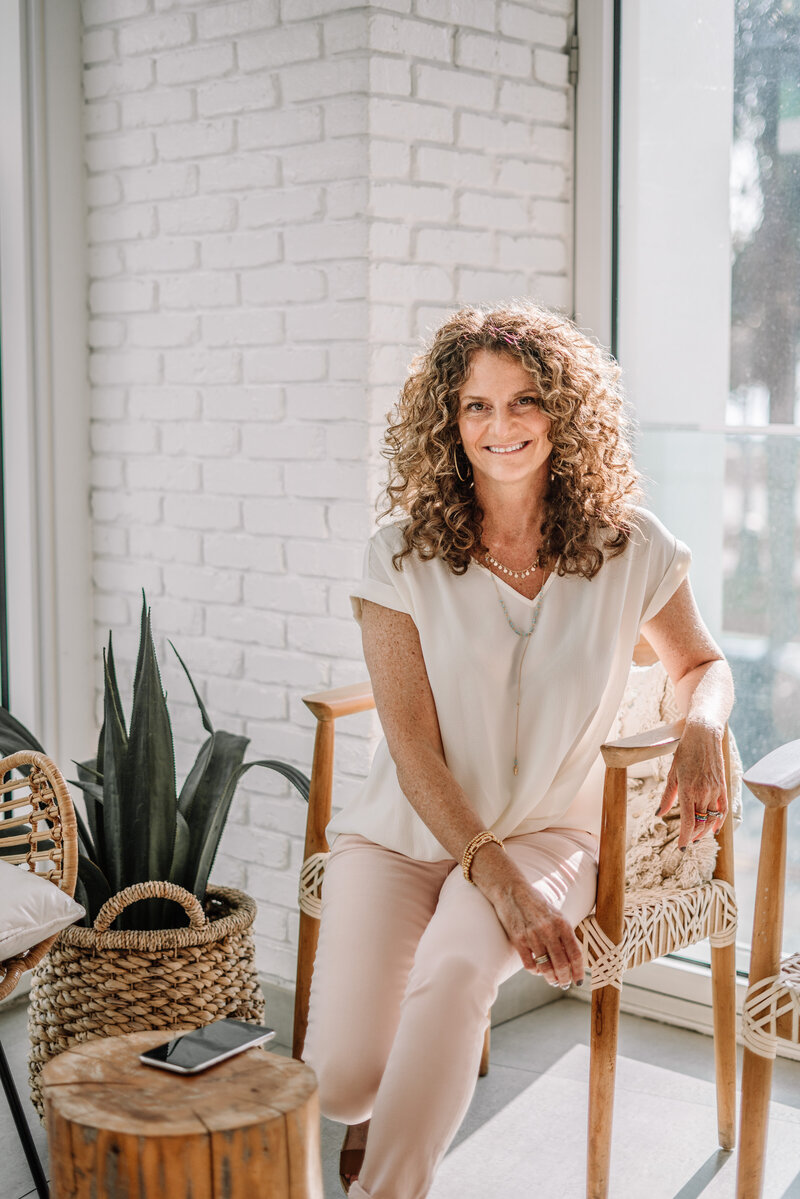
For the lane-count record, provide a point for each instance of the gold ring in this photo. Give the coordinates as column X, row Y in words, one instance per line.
column 541, row 961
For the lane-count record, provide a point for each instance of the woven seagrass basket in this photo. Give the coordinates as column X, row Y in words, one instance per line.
column 98, row 982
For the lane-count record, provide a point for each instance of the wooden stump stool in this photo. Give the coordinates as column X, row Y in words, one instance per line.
column 245, row 1129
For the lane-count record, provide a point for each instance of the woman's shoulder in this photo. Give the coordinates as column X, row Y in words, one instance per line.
column 389, row 541
column 388, row 538
column 647, row 528
column 654, row 547
column 648, row 537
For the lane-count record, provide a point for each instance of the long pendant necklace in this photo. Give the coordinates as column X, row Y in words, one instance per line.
column 526, row 635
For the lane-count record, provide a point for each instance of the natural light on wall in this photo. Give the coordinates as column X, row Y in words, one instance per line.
column 709, row 338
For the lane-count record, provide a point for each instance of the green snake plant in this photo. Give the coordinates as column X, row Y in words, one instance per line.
column 138, row 826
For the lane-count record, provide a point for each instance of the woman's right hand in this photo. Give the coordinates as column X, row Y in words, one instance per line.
column 533, row 926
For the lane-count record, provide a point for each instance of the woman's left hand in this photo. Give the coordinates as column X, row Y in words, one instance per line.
column 697, row 780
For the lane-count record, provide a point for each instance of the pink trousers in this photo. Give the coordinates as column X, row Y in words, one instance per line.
column 409, row 961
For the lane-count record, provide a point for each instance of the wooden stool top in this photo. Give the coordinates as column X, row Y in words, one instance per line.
column 101, row 1084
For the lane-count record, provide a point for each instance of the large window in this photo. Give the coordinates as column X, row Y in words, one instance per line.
column 687, row 259
column 4, row 686
column 761, row 592
column 709, row 319
column 46, row 659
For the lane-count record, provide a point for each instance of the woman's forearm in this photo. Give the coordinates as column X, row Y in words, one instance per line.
column 705, row 694
column 440, row 802
column 436, row 797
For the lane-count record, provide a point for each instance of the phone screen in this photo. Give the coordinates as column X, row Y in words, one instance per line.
column 195, row 1050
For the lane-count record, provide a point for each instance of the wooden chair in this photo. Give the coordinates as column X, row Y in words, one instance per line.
column 620, row 934
column 37, row 826
column 772, row 1004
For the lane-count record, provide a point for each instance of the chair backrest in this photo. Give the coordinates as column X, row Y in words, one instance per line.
column 38, row 828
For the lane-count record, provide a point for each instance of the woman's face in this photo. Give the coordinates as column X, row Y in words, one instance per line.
column 503, row 431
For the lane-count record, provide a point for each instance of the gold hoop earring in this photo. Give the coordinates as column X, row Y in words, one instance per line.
column 455, row 463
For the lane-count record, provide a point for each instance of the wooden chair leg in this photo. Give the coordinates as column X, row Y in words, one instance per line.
column 756, row 1087
column 483, row 1069
column 602, row 1070
column 605, row 1000
column 723, row 992
column 764, row 963
column 319, row 813
column 306, row 952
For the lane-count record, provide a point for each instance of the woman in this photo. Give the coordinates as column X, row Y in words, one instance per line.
column 499, row 619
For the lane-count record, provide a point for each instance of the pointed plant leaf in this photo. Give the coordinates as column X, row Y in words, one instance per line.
column 110, row 681
column 89, row 769
column 299, row 781
column 225, row 753
column 149, row 775
column 84, row 837
column 192, row 780
column 117, row 848
column 82, row 897
column 14, row 736
column 204, row 716
column 208, row 852
column 88, row 774
column 145, row 640
column 95, row 885
column 180, row 855
column 93, row 790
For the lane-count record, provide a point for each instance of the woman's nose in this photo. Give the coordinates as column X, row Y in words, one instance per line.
column 501, row 423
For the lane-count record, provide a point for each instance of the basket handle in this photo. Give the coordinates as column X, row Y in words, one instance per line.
column 150, row 890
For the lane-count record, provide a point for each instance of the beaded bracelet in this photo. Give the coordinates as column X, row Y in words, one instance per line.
column 472, row 848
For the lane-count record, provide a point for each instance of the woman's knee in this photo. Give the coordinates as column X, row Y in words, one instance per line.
column 347, row 1085
column 456, row 982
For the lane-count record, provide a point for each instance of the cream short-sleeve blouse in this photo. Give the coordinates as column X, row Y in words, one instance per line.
column 573, row 678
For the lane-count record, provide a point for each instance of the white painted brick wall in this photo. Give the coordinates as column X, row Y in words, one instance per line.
column 283, row 196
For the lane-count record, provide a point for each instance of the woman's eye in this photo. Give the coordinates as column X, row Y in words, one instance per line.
column 475, row 406
column 528, row 401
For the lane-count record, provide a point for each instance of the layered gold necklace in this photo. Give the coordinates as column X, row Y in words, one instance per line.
column 525, row 634
column 513, row 574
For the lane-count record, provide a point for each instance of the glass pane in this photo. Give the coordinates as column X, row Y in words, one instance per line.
column 5, row 698
column 765, row 215
column 756, row 520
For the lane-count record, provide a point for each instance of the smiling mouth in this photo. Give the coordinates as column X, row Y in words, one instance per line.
column 507, row 449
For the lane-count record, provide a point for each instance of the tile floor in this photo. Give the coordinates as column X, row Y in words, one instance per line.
column 524, row 1133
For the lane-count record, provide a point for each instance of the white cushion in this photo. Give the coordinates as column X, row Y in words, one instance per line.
column 31, row 909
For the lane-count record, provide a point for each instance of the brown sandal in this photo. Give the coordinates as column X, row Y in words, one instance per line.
column 350, row 1163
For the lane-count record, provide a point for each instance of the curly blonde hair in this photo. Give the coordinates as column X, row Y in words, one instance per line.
column 593, row 483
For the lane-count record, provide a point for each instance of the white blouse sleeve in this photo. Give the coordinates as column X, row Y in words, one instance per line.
column 667, row 566
column 381, row 582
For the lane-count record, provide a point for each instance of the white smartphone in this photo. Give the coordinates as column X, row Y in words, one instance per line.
column 195, row 1051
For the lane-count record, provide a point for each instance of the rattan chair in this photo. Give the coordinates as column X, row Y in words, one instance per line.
column 772, row 1004
column 39, row 829
column 624, row 931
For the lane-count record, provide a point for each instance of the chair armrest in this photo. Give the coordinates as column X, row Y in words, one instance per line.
column 11, row 971
column 340, row 701
column 327, row 707
column 775, row 779
column 642, row 747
